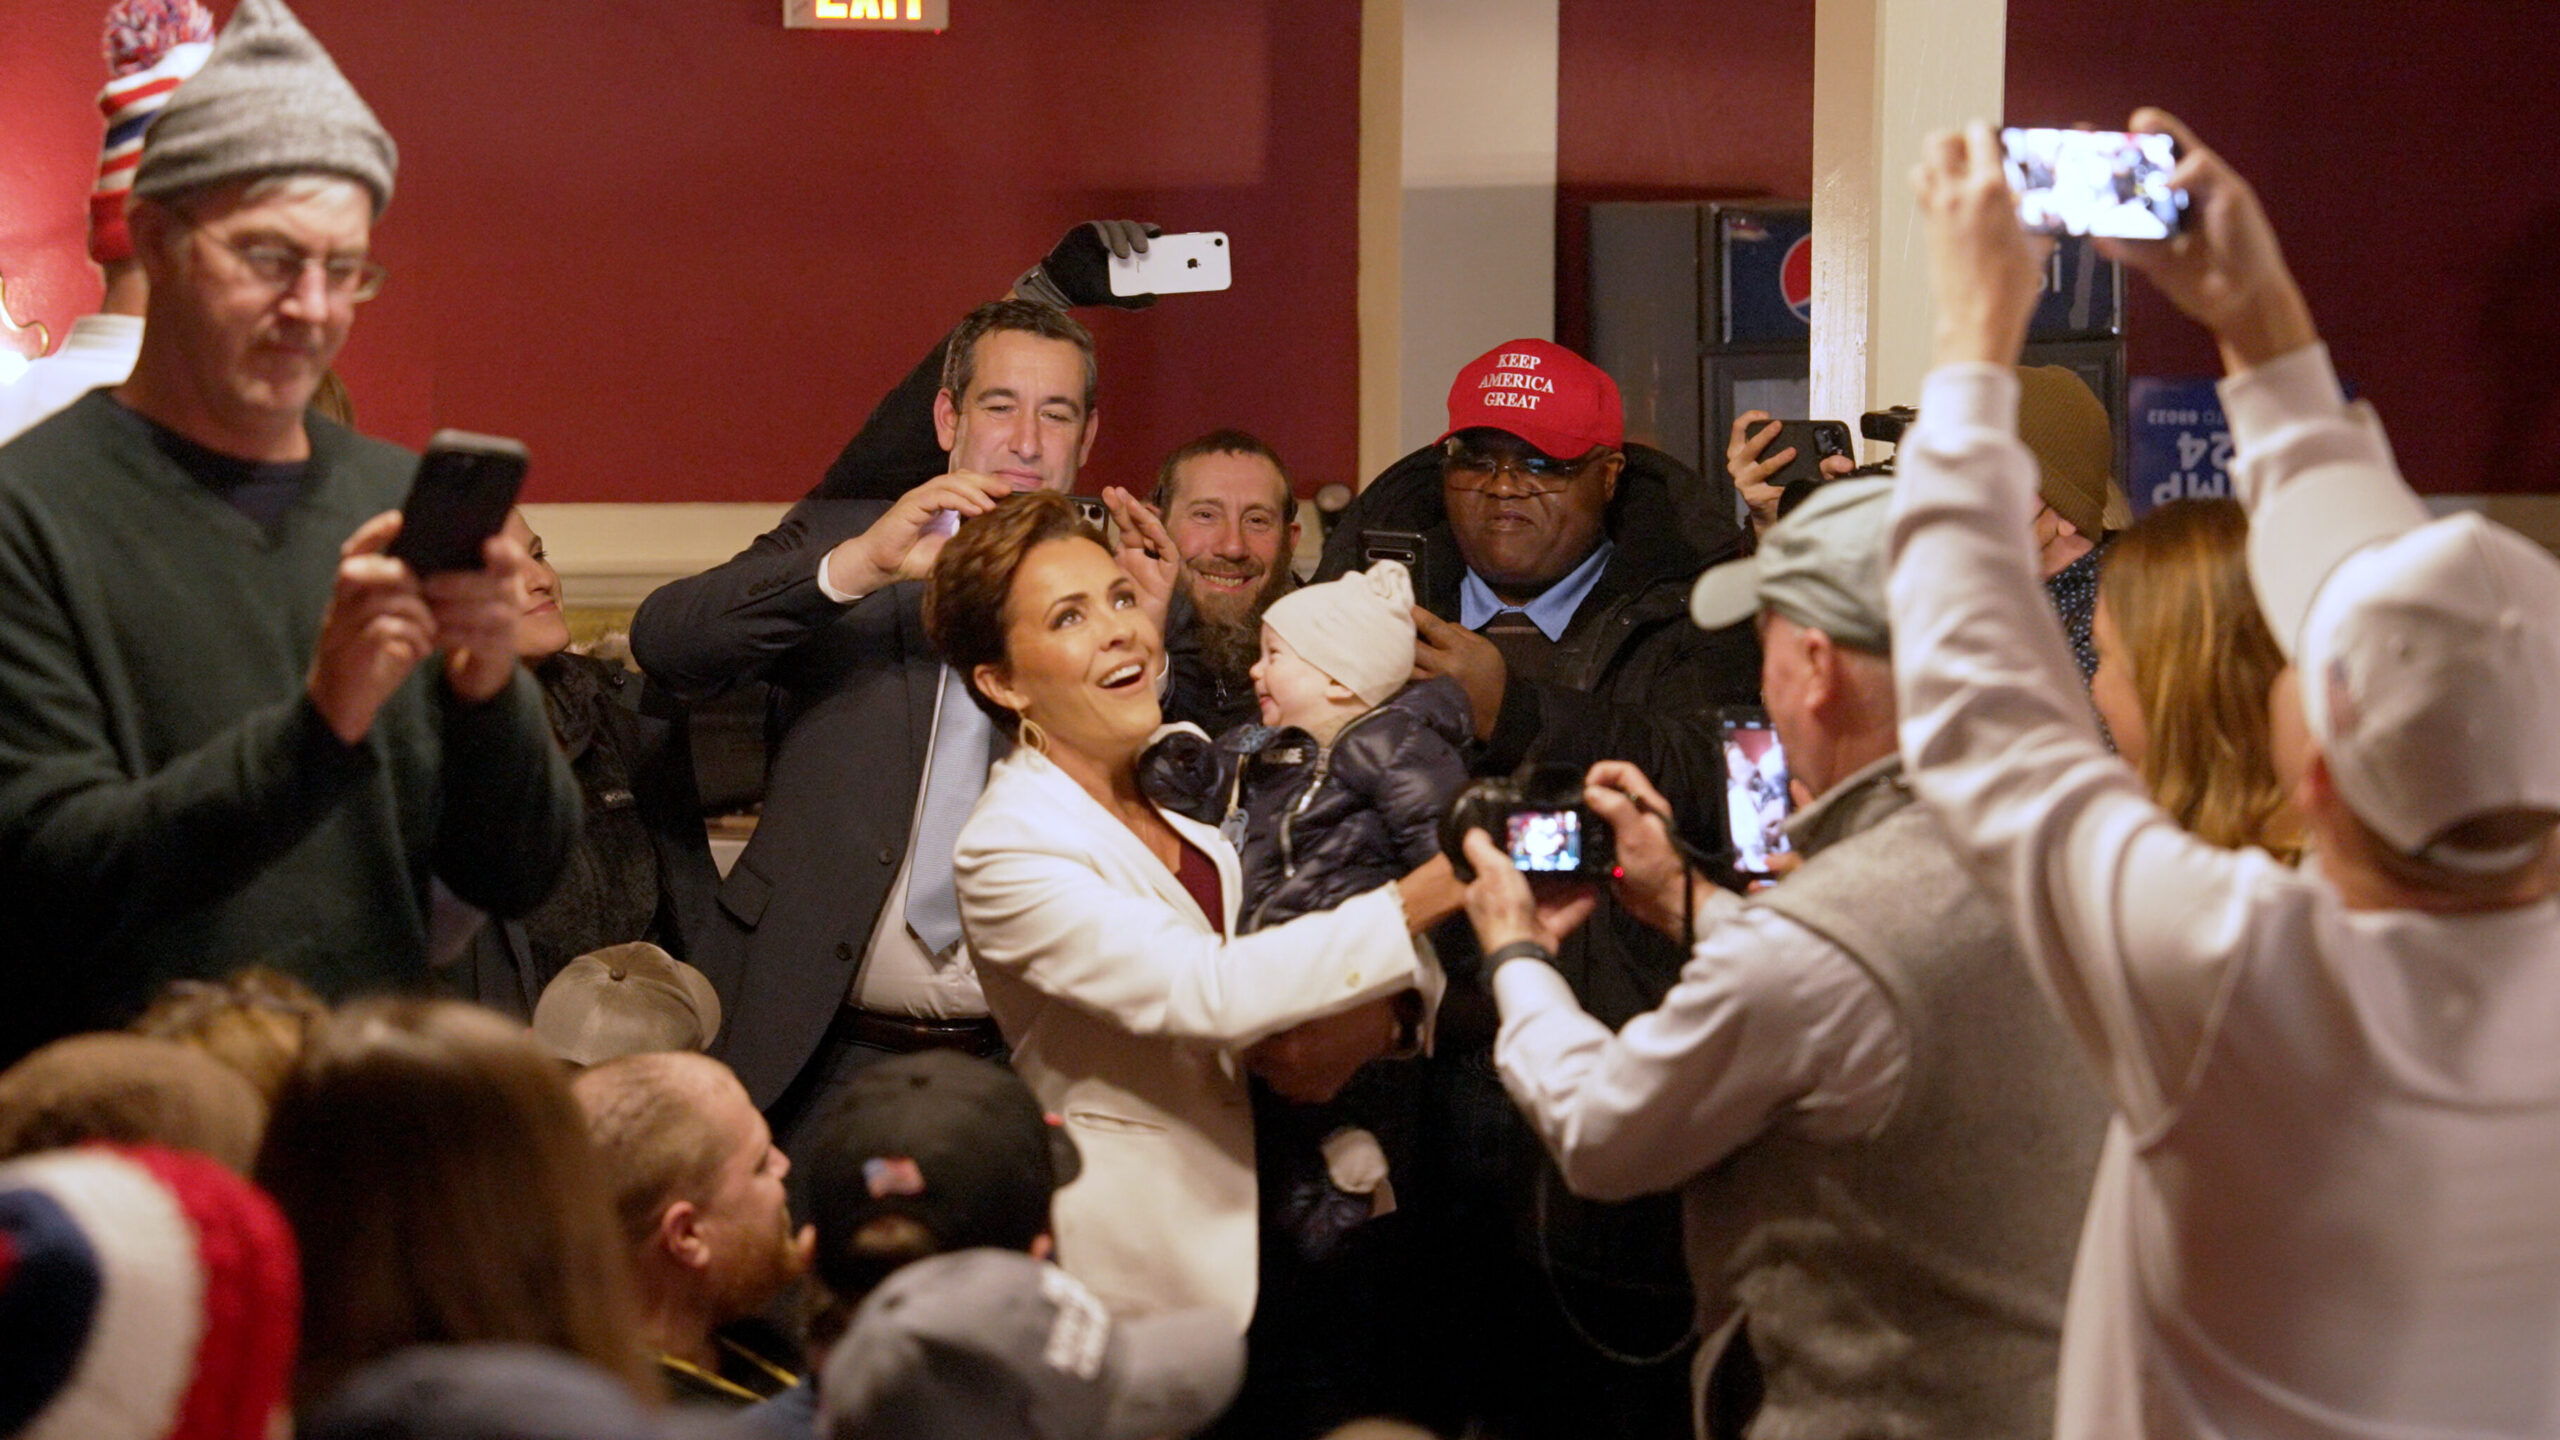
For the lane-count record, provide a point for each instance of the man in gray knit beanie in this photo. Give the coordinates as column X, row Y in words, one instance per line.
column 239, row 729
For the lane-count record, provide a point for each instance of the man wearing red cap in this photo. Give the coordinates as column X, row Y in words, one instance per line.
column 1552, row 574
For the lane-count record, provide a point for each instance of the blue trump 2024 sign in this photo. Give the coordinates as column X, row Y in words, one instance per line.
column 2181, row 444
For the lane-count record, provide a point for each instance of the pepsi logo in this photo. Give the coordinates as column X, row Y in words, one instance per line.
column 1795, row 278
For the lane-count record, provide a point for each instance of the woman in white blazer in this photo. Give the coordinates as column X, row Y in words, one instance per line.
column 1100, row 925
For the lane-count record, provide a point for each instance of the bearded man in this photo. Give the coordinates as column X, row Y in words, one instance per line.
column 1227, row 501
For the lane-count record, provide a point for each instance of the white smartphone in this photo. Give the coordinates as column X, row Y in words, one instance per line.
column 1174, row 265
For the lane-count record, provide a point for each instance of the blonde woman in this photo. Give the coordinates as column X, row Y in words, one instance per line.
column 2185, row 667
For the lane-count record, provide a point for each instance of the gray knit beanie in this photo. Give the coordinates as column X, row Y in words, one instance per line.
column 268, row 102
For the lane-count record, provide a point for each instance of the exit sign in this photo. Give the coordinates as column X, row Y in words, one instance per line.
column 866, row 14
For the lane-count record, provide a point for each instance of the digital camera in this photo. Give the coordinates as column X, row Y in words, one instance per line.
column 1539, row 820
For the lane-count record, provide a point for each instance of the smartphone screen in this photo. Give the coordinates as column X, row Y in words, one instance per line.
column 1546, row 841
column 1756, row 800
column 2094, row 182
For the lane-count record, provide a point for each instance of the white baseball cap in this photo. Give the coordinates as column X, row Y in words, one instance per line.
column 2430, row 669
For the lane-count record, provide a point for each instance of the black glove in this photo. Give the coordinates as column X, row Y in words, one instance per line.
column 1078, row 270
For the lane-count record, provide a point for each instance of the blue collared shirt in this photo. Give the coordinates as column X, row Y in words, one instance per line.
column 1551, row 611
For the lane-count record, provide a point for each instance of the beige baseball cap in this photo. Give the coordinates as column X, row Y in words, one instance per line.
column 630, row 999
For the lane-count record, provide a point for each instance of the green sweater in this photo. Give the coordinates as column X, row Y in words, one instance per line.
column 171, row 804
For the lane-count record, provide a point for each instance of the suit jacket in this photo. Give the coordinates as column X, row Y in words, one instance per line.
column 849, row 733
column 1126, row 1010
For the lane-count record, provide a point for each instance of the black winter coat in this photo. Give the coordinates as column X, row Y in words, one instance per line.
column 1636, row 681
column 1315, row 825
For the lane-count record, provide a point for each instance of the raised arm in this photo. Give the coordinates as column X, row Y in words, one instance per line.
column 2129, row 922
column 2307, row 464
column 730, row 624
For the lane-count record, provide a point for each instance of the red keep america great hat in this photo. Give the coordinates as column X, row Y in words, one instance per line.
column 1541, row 392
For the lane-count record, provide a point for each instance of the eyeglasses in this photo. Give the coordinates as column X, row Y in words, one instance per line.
column 354, row 278
column 1471, row 469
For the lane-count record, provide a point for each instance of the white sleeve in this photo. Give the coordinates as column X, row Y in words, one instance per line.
column 1046, row 914
column 1768, row 1024
column 826, row 589
column 2317, row 476
column 2131, row 925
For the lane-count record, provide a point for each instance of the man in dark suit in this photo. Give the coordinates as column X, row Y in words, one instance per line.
column 847, row 934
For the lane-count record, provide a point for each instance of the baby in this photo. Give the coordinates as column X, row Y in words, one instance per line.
column 1339, row 790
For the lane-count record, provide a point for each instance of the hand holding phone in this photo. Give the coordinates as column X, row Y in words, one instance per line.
column 1174, row 265
column 466, row 485
column 1814, row 441
column 2094, row 182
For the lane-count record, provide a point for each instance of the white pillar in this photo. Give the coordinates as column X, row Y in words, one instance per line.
column 1469, row 258
column 1886, row 74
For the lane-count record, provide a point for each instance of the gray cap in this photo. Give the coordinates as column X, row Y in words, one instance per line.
column 268, row 102
column 995, row 1345
column 1822, row 567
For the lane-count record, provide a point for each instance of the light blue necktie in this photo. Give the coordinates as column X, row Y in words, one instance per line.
column 952, row 781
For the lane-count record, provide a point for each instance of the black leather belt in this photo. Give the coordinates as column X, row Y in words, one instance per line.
column 907, row 1034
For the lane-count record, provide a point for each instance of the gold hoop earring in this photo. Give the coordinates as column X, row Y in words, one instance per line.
column 1027, row 731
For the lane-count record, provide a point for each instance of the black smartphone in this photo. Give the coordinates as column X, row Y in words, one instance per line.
column 1757, row 801
column 466, row 485
column 1815, row 441
column 1402, row 546
column 2094, row 182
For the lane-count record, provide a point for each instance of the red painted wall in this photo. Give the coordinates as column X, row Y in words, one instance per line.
column 681, row 250
column 2405, row 153
column 1674, row 100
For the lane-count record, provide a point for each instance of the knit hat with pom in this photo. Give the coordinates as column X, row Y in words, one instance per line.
column 151, row 45
column 145, row 1294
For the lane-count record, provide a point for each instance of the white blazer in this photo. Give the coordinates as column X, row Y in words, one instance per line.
column 1126, row 1011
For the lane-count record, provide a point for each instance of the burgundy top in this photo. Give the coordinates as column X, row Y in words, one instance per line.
column 1199, row 875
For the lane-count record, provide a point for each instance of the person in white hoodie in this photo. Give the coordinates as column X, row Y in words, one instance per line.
column 2330, row 1199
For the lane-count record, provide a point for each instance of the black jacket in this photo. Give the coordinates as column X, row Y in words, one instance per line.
column 1322, row 823
column 1636, row 680
column 631, row 755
